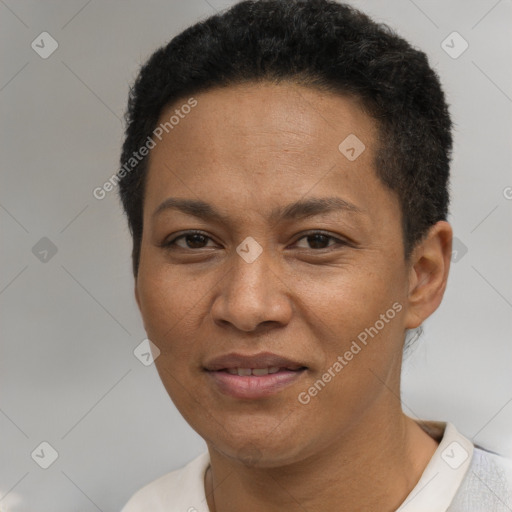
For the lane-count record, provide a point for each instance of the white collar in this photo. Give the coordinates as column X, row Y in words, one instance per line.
column 444, row 473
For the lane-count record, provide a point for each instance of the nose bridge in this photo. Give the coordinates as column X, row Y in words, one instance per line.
column 251, row 292
column 250, row 268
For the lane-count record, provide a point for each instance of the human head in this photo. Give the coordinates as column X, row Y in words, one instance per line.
column 239, row 160
column 326, row 46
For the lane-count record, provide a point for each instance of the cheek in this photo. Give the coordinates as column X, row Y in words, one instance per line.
column 357, row 320
column 169, row 307
column 349, row 299
column 359, row 329
column 166, row 303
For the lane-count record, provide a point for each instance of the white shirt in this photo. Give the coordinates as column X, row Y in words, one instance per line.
column 459, row 478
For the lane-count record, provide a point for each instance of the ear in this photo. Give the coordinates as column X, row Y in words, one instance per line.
column 428, row 274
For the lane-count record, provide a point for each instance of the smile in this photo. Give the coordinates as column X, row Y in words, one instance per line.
column 254, row 383
column 253, row 376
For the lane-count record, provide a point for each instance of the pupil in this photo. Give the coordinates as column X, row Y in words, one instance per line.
column 318, row 239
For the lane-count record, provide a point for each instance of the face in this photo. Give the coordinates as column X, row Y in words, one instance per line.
column 267, row 246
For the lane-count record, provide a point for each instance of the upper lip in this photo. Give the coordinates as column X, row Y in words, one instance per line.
column 260, row 360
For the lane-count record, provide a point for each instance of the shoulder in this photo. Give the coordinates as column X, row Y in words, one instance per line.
column 487, row 484
column 182, row 489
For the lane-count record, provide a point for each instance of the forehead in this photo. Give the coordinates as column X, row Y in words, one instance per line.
column 291, row 114
column 268, row 140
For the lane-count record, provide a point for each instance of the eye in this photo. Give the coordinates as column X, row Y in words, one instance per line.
column 320, row 240
column 191, row 240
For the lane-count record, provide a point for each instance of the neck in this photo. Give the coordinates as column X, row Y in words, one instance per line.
column 373, row 466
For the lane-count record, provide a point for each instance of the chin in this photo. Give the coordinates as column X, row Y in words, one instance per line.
column 259, row 449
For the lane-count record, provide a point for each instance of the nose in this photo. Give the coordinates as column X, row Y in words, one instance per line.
column 253, row 296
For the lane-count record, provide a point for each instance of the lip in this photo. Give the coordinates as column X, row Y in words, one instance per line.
column 253, row 386
column 260, row 360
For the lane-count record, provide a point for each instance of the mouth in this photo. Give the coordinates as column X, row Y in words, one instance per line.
column 251, row 377
column 259, row 372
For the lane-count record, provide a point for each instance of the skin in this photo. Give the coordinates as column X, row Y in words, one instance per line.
column 246, row 150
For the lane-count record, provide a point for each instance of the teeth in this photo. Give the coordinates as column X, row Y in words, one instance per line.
column 260, row 371
column 245, row 372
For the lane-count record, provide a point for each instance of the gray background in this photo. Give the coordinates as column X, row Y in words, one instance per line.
column 68, row 375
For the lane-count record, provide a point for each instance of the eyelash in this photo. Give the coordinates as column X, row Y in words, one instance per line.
column 171, row 243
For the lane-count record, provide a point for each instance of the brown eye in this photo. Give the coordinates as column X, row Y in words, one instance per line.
column 320, row 241
column 195, row 241
column 191, row 240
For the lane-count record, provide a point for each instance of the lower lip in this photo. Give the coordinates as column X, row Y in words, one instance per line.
column 254, row 386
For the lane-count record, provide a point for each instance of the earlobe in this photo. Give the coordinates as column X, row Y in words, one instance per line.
column 430, row 265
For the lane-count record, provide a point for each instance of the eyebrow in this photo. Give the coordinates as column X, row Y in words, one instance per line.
column 300, row 209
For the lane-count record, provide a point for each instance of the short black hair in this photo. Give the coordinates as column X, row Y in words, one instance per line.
column 321, row 44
